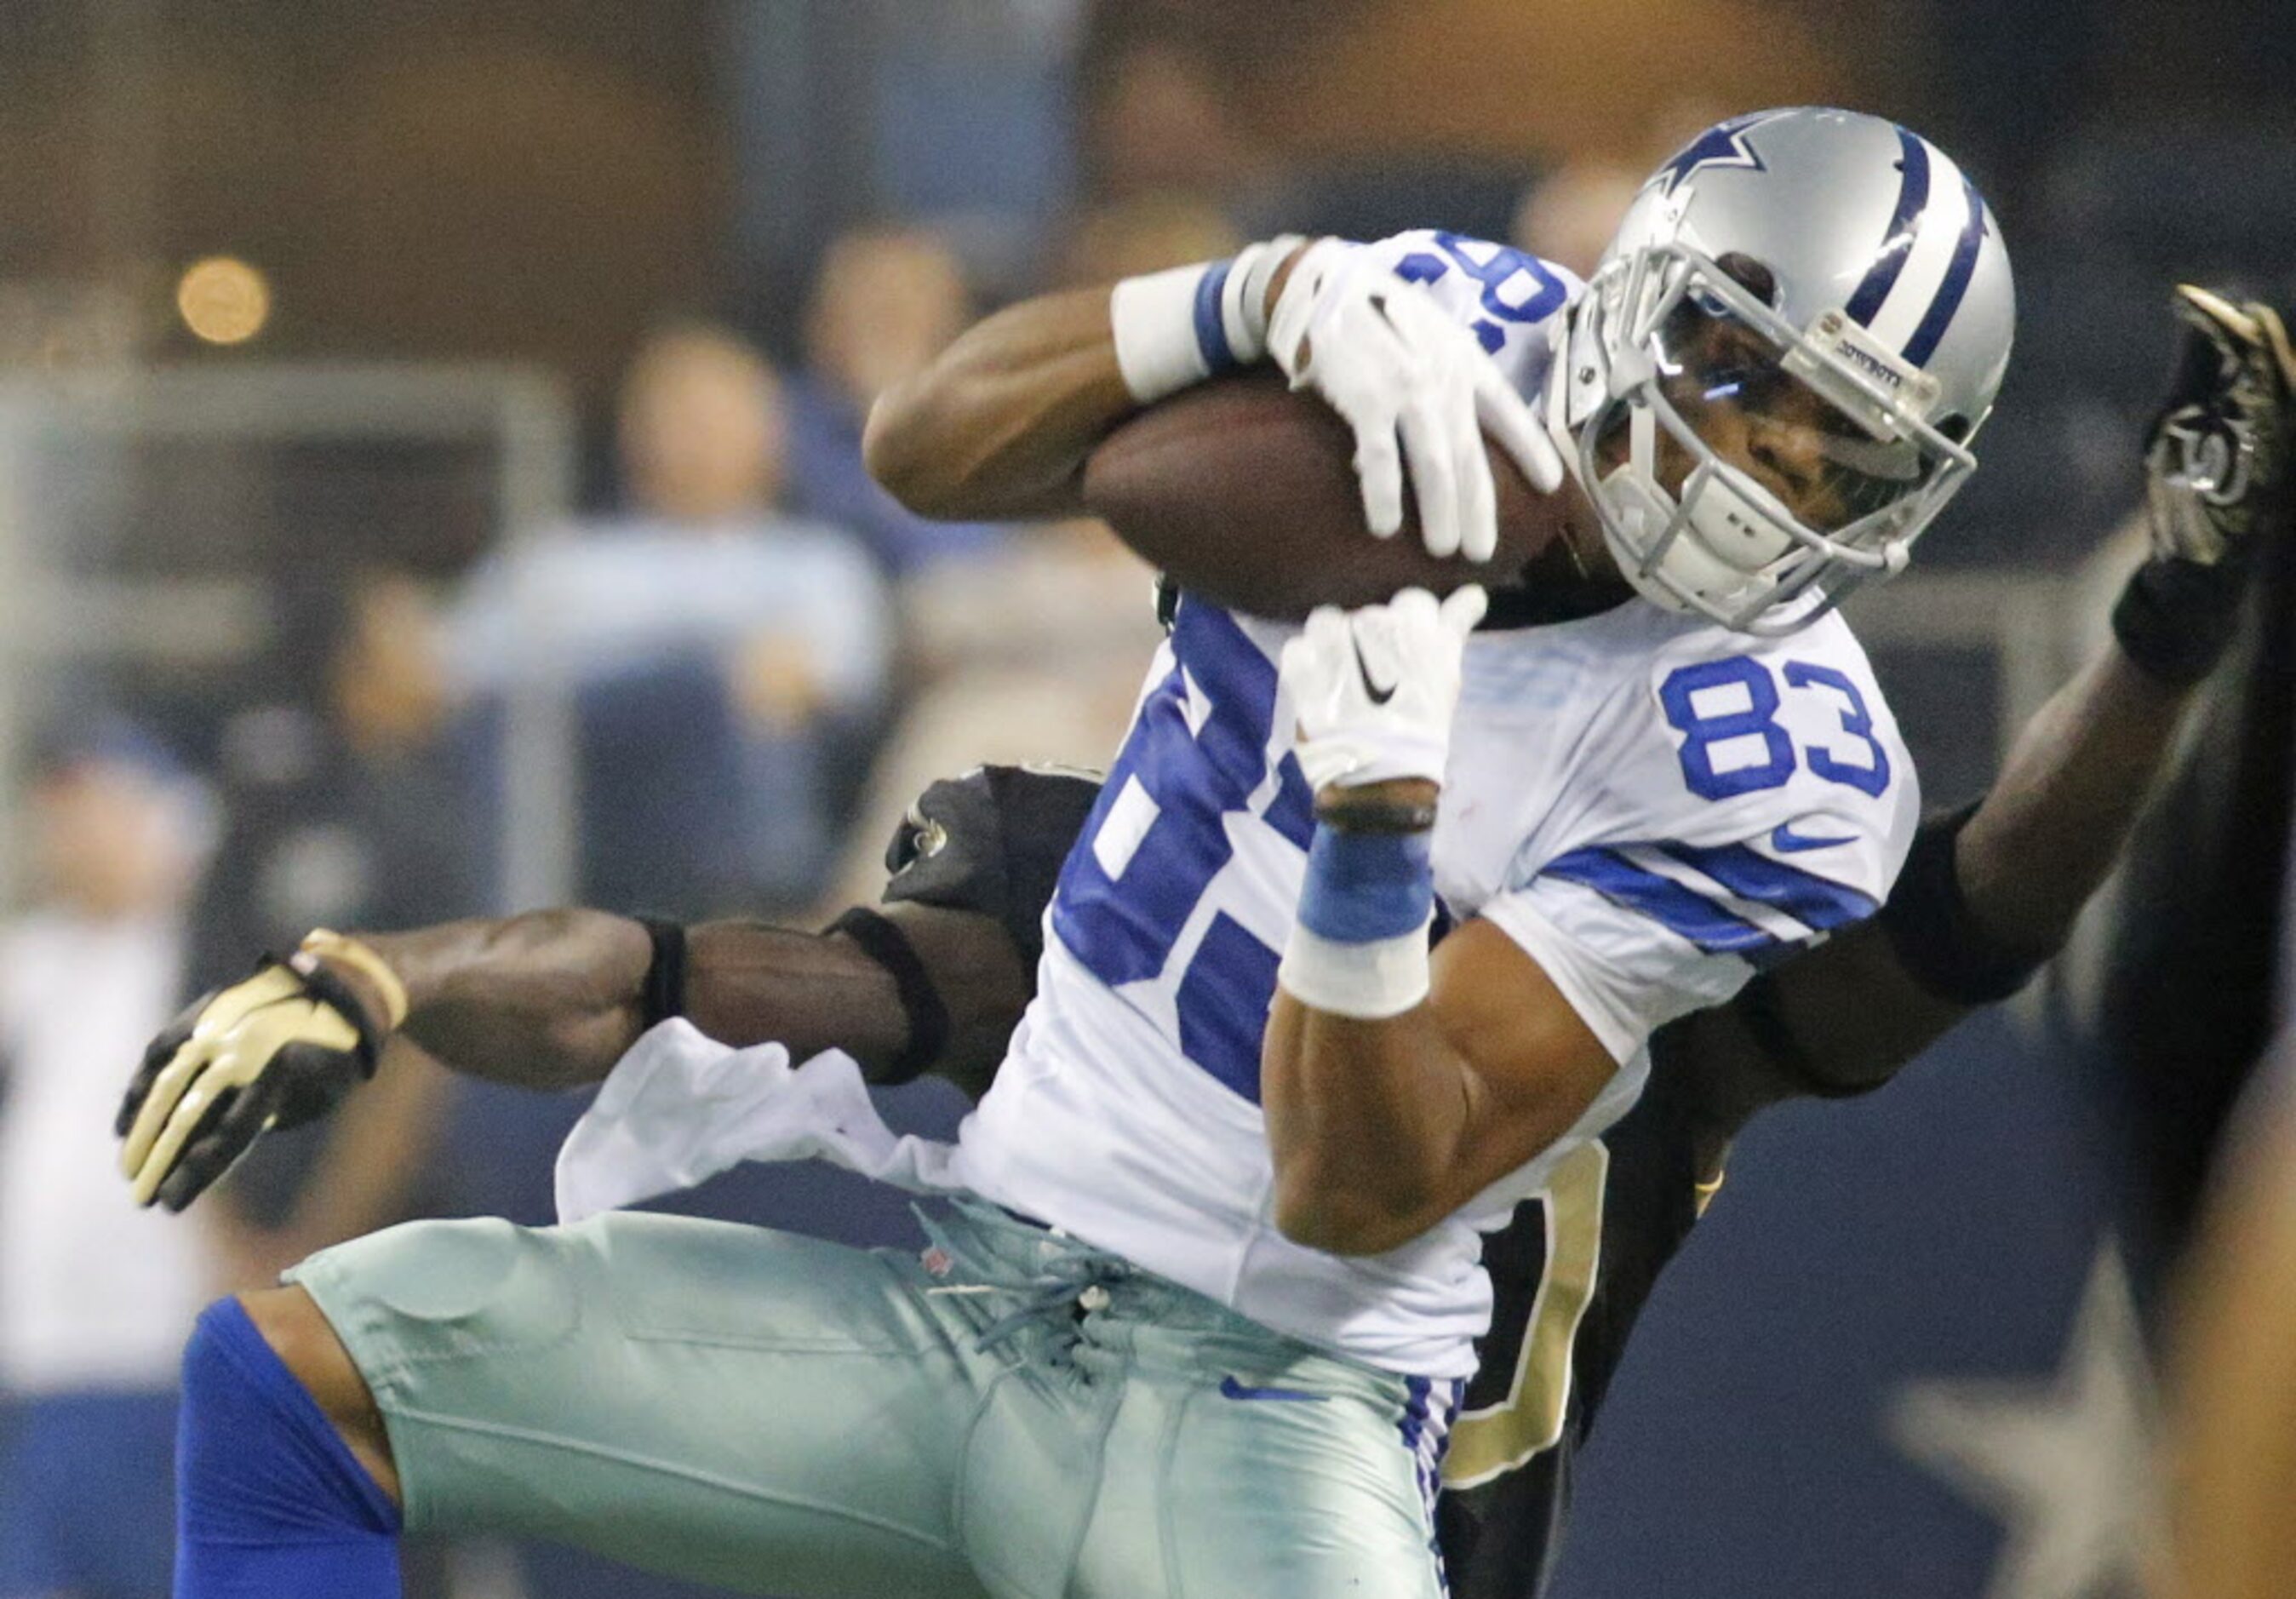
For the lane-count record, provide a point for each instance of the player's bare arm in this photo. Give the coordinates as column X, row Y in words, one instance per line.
column 550, row 999
column 1382, row 1127
column 1004, row 422
column 933, row 982
column 1396, row 1088
column 1989, row 895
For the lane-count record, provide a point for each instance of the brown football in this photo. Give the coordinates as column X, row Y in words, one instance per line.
column 1245, row 492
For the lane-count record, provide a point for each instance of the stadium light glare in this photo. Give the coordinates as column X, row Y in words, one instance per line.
column 223, row 300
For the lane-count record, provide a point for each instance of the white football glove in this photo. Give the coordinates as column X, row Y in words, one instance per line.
column 1374, row 689
column 1384, row 354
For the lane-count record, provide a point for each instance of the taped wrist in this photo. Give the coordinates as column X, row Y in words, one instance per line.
column 1360, row 945
column 882, row 941
column 1179, row 327
column 662, row 994
column 1928, row 921
column 2175, row 617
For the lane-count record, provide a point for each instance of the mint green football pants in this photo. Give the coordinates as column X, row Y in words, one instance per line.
column 1010, row 1414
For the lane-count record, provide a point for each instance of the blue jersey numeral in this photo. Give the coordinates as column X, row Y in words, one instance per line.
column 1158, row 836
column 1517, row 288
column 1756, row 718
column 1701, row 733
column 1872, row 776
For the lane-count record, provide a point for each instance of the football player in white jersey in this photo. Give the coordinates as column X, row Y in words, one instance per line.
column 1208, row 1334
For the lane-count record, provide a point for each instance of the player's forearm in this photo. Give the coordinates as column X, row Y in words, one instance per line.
column 749, row 984
column 551, row 999
column 1001, row 425
column 1379, row 1128
column 1365, row 1123
column 2050, row 829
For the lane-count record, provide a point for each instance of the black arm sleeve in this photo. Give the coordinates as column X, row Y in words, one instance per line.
column 1930, row 927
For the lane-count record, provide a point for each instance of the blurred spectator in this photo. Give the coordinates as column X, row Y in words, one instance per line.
column 725, row 658
column 1569, row 216
column 354, row 800
column 1125, row 238
column 886, row 301
column 95, row 1295
column 1033, row 655
column 1160, row 121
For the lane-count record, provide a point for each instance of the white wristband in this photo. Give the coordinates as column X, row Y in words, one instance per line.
column 1179, row 327
column 1244, row 299
column 1369, row 981
column 1154, row 318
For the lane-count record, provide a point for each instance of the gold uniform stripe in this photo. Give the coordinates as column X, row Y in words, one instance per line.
column 1489, row 1442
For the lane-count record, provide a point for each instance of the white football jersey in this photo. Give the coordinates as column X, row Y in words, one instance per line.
column 1651, row 807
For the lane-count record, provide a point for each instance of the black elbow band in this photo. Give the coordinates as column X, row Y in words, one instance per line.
column 663, row 994
column 1930, row 927
column 883, row 942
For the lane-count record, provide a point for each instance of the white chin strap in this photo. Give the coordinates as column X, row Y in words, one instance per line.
column 1712, row 550
column 1716, row 553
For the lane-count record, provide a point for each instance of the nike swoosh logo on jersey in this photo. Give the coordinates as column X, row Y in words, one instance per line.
column 1230, row 1388
column 1377, row 695
column 1785, row 840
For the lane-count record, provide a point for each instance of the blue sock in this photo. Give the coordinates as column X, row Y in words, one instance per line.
column 269, row 1500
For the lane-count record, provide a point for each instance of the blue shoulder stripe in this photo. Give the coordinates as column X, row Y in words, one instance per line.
column 1817, row 903
column 1680, row 910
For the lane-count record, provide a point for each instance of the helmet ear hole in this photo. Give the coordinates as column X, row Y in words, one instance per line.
column 1954, row 427
column 1751, row 275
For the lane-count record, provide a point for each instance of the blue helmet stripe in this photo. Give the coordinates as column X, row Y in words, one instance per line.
column 1898, row 244
column 1924, row 344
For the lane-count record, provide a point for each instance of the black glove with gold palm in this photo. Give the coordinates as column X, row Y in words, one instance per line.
column 2216, row 474
column 276, row 1050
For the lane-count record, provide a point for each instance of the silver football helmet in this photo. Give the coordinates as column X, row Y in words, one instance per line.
column 1771, row 383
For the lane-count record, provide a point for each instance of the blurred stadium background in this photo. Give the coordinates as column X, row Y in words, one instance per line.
column 428, row 485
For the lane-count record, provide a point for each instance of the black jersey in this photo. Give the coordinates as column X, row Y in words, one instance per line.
column 1567, row 1278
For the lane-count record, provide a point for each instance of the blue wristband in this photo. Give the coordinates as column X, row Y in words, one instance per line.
column 1363, row 887
column 1211, row 325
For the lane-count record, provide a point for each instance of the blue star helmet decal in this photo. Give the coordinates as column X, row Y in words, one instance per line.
column 1721, row 146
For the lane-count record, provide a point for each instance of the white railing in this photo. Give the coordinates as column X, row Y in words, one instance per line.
column 52, row 618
